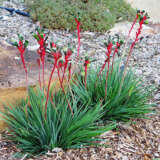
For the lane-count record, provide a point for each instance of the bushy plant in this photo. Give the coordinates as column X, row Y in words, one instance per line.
column 71, row 116
column 95, row 15
column 131, row 101
column 35, row 134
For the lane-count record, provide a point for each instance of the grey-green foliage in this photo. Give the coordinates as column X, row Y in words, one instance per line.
column 120, row 104
column 34, row 134
column 95, row 15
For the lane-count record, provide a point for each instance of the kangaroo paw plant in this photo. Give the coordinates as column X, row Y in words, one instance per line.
column 73, row 116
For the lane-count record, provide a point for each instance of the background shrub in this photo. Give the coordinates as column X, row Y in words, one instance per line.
column 96, row 15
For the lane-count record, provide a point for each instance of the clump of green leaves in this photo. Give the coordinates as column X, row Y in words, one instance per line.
column 36, row 134
column 95, row 15
column 120, row 104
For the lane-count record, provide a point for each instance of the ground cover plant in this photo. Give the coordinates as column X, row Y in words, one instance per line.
column 96, row 15
column 73, row 116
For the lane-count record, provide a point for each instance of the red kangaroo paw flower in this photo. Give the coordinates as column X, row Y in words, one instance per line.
column 67, row 59
column 115, row 51
column 108, row 53
column 78, row 33
column 40, row 37
column 142, row 20
column 53, row 45
column 109, row 48
column 21, row 47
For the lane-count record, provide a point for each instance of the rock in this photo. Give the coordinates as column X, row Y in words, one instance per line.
column 138, row 72
column 124, row 27
column 56, row 150
column 151, row 7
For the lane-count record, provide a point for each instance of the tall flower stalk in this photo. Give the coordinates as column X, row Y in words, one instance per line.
column 68, row 54
column 56, row 55
column 132, row 26
column 142, row 16
column 108, row 53
column 39, row 73
column 40, row 37
column 21, row 46
column 78, row 34
column 86, row 64
column 116, row 50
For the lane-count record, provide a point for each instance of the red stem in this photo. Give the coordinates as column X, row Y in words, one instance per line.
column 115, row 51
column 65, row 67
column 86, row 76
column 24, row 66
column 134, row 22
column 43, row 71
column 49, row 83
column 69, row 69
column 107, row 79
column 102, row 68
column 39, row 77
column 78, row 33
column 64, row 91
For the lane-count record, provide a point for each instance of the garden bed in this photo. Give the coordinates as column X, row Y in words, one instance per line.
column 136, row 139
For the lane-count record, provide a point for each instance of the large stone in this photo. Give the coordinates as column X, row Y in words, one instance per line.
column 151, row 6
column 123, row 28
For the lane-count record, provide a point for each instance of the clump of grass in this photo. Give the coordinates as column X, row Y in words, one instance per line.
column 130, row 101
column 95, row 15
column 36, row 134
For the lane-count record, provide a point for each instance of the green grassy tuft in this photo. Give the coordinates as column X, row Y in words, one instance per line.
column 34, row 134
column 120, row 104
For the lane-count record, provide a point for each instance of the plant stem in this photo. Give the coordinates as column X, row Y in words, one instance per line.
column 130, row 51
column 85, row 77
column 64, row 91
column 78, row 33
column 106, row 85
column 49, row 83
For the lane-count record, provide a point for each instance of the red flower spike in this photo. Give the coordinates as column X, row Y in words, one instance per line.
column 21, row 47
column 53, row 45
column 56, row 55
column 40, row 37
column 141, row 22
column 67, row 59
column 108, row 53
column 78, row 33
column 115, row 51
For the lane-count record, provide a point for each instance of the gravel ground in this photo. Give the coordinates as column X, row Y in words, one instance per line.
column 137, row 140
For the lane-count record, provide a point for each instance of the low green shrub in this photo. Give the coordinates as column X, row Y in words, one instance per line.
column 95, row 15
column 130, row 101
column 35, row 134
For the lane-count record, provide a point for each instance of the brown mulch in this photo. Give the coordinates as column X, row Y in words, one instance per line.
column 136, row 140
